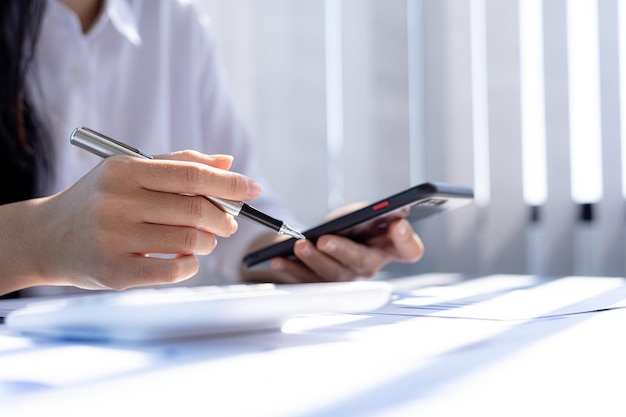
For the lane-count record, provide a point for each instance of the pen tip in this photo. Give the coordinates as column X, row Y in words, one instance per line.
column 288, row 230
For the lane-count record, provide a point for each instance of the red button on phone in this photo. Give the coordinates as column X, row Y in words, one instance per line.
column 381, row 205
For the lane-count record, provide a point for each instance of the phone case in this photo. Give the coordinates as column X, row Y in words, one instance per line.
column 415, row 203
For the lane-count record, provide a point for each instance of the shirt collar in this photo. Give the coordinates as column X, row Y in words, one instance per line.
column 123, row 19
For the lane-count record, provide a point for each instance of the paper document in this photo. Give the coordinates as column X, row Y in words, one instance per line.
column 510, row 297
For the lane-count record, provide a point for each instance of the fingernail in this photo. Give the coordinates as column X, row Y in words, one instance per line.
column 254, row 189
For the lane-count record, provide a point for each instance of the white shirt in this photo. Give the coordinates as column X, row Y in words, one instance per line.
column 146, row 74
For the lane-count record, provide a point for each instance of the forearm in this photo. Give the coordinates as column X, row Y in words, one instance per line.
column 21, row 240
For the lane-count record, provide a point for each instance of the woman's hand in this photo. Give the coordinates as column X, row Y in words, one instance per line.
column 336, row 258
column 100, row 232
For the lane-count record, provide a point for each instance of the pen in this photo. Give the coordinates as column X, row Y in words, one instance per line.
column 104, row 146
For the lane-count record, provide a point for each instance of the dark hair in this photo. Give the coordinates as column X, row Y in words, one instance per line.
column 25, row 147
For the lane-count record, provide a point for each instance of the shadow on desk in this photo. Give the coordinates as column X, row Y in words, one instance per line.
column 447, row 345
column 428, row 385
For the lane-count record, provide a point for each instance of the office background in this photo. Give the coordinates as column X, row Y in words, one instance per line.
column 519, row 99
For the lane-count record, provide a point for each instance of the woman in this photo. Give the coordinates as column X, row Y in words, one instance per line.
column 144, row 72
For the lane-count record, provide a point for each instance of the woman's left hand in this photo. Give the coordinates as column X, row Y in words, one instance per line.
column 337, row 258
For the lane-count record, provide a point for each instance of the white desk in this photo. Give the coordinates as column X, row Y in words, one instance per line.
column 505, row 346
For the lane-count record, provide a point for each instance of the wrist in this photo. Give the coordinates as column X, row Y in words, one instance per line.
column 21, row 240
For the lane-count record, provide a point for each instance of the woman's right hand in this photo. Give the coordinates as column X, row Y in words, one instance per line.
column 100, row 232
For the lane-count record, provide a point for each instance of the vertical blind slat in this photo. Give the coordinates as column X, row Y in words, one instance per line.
column 506, row 215
column 559, row 212
column 610, row 239
column 460, row 251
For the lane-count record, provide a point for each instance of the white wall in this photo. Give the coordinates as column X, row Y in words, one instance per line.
column 324, row 88
column 367, row 97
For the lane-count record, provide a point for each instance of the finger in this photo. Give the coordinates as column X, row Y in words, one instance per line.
column 140, row 271
column 325, row 267
column 399, row 242
column 408, row 246
column 182, row 177
column 269, row 275
column 159, row 239
column 217, row 160
column 295, row 270
column 183, row 210
column 364, row 261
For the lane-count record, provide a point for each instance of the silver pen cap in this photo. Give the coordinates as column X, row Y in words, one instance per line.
column 102, row 145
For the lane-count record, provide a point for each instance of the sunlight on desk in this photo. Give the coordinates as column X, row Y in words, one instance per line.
column 457, row 347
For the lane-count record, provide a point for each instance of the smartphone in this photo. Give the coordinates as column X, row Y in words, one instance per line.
column 414, row 204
